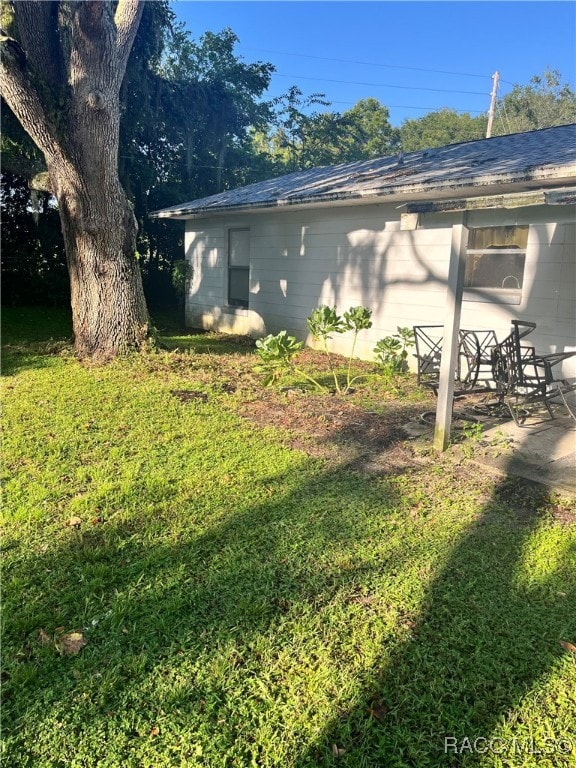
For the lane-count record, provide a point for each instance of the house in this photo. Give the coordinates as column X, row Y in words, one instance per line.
column 380, row 233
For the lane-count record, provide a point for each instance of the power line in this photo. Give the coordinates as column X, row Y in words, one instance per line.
column 411, row 106
column 380, row 85
column 368, row 63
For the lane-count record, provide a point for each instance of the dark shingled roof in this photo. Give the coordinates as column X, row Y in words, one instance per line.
column 536, row 156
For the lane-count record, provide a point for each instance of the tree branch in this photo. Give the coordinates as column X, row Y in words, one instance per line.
column 38, row 31
column 19, row 92
column 127, row 18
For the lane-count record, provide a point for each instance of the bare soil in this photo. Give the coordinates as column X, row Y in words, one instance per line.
column 338, row 429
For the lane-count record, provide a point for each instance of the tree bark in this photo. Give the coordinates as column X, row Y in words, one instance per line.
column 75, row 123
column 108, row 307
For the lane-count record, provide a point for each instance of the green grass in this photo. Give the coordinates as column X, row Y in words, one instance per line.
column 247, row 605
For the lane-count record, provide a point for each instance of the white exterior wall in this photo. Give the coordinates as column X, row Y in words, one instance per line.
column 353, row 256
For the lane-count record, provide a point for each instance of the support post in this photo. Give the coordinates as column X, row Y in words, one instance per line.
column 449, row 360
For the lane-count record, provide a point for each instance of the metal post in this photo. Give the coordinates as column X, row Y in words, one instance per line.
column 449, row 360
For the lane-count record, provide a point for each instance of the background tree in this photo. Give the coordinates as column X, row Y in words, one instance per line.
column 62, row 68
column 188, row 112
column 543, row 103
column 371, row 134
column 193, row 136
column 33, row 257
column 444, row 126
column 304, row 139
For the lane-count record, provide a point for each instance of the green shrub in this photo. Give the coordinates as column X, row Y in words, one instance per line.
column 391, row 352
column 277, row 352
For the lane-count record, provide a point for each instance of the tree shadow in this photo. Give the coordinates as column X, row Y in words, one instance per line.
column 144, row 600
column 205, row 587
column 33, row 337
column 487, row 631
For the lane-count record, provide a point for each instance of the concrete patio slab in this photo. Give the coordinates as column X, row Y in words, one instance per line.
column 543, row 451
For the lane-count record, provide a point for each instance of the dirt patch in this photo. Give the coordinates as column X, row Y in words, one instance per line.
column 337, row 429
column 564, row 512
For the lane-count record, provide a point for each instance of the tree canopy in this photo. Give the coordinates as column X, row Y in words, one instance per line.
column 192, row 120
column 445, row 126
column 545, row 102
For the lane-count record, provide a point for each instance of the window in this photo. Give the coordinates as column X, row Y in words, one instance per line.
column 495, row 263
column 238, row 267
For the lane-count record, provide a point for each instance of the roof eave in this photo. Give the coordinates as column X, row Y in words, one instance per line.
column 458, row 188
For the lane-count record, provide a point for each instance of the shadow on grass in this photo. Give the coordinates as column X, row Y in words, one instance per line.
column 22, row 325
column 32, row 337
column 463, row 659
column 144, row 602
column 206, row 342
column 484, row 637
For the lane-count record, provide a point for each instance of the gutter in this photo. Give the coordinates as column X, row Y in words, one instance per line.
column 566, row 196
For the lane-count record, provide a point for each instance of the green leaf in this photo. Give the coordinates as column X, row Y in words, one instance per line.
column 324, row 321
column 358, row 319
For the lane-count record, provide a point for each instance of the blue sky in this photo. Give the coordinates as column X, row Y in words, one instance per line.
column 412, row 56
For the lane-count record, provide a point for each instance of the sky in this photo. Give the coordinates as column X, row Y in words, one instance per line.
column 414, row 57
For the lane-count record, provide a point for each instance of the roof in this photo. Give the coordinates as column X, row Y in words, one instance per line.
column 523, row 160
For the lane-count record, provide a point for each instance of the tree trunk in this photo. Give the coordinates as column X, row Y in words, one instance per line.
column 62, row 81
column 108, row 307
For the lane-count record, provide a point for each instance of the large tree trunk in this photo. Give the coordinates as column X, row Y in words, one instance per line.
column 108, row 307
column 62, row 81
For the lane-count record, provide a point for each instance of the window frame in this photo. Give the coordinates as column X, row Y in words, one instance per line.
column 237, row 303
column 504, row 294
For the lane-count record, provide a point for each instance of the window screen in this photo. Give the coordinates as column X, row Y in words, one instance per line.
column 238, row 267
column 496, row 257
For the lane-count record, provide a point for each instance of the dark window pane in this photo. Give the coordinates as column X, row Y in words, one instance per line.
column 495, row 270
column 238, row 286
column 496, row 257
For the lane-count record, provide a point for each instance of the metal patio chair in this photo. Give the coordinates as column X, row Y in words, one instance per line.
column 474, row 356
column 526, row 380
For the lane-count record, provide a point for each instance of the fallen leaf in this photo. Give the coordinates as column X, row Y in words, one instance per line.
column 337, row 751
column 155, row 731
column 97, row 520
column 568, row 646
column 71, row 643
column 44, row 638
column 75, row 522
column 378, row 710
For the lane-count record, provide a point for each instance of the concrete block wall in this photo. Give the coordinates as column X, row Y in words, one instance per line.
column 359, row 256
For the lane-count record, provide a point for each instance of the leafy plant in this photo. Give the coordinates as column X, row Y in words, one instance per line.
column 324, row 321
column 391, row 352
column 472, row 434
column 356, row 319
column 181, row 274
column 277, row 352
column 277, row 355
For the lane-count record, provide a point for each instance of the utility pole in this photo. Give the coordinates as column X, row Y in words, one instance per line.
column 495, row 78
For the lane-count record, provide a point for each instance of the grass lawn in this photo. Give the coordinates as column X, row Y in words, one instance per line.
column 265, row 578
